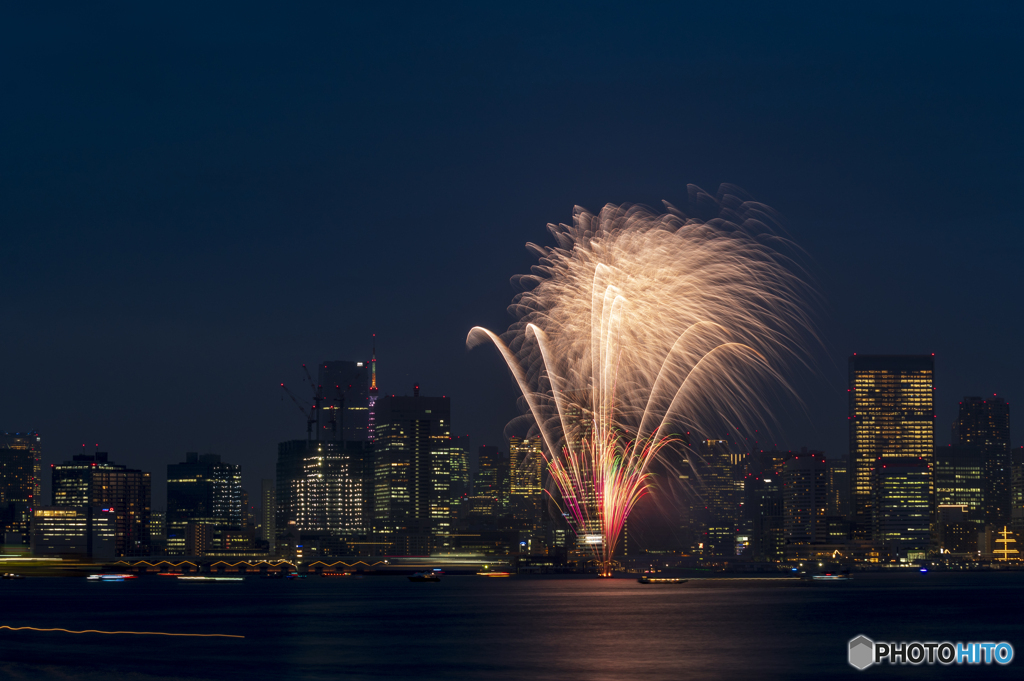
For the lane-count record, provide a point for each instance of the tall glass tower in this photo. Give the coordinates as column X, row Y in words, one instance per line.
column 891, row 416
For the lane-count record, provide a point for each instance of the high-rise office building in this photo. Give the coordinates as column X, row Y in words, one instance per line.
column 959, row 474
column 323, row 486
column 202, row 489
column 82, row 531
column 891, row 415
column 719, row 491
column 20, row 456
column 345, row 408
column 526, row 464
column 805, row 498
column 903, row 506
column 985, row 423
column 350, row 489
column 93, row 480
column 412, row 496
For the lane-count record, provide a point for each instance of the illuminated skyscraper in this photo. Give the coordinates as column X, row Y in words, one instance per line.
column 20, row 456
column 903, row 506
column 323, row 486
column 20, row 460
column 202, row 489
column 959, row 473
column 92, row 480
column 526, row 464
column 719, row 498
column 985, row 423
column 412, row 495
column 891, row 415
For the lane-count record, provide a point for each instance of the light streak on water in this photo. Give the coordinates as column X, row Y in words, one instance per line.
column 133, row 633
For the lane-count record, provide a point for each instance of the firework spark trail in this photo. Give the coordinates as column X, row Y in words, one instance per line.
column 639, row 325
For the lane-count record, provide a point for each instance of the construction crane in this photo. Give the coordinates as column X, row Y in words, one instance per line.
column 318, row 397
column 310, row 417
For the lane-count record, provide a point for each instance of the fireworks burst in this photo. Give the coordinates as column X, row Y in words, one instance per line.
column 639, row 326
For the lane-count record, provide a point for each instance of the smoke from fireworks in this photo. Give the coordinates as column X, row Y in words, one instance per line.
column 639, row 326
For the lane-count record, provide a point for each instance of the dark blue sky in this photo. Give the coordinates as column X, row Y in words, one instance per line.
column 197, row 200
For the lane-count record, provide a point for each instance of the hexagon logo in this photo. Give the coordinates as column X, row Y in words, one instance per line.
column 862, row 652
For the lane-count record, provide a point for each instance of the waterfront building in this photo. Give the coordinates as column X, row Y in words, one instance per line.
column 20, row 457
column 412, row 483
column 75, row 531
column 93, row 480
column 202, row 489
column 891, row 416
column 805, row 498
column 902, row 506
column 985, row 423
column 959, row 479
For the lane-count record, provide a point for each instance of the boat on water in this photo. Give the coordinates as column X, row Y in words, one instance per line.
column 11, row 575
column 661, row 580
column 832, row 577
column 426, row 576
column 205, row 578
column 110, row 577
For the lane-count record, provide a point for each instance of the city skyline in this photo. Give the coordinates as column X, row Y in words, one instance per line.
column 254, row 473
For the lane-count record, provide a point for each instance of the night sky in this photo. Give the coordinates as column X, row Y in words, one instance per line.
column 197, row 200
